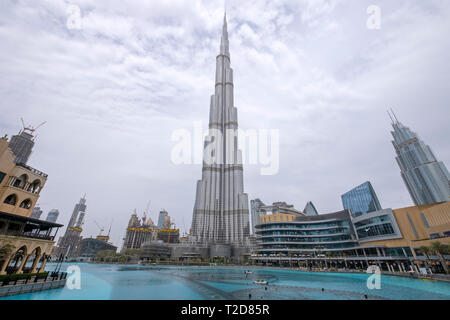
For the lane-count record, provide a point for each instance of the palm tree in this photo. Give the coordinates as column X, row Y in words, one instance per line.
column 440, row 250
column 426, row 251
column 328, row 254
column 345, row 256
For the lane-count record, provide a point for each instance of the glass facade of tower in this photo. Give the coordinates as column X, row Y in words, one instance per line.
column 67, row 244
column 21, row 145
column 53, row 215
column 310, row 209
column 427, row 179
column 374, row 227
column 256, row 212
column 36, row 213
column 361, row 200
column 162, row 216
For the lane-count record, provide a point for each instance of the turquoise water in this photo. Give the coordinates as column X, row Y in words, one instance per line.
column 116, row 282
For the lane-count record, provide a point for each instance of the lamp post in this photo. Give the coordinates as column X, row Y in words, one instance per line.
column 60, row 261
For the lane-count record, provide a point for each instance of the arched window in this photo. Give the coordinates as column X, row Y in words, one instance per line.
column 26, row 204
column 21, row 181
column 35, row 186
column 11, row 199
column 16, row 260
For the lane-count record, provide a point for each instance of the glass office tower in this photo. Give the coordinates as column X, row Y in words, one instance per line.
column 361, row 200
column 53, row 215
column 427, row 178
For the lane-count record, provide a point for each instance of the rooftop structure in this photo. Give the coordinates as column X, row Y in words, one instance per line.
column 310, row 209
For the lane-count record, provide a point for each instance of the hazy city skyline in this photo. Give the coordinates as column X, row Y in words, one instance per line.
column 113, row 91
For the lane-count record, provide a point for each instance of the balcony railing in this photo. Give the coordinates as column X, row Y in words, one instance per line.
column 28, row 235
column 20, row 188
column 35, row 171
column 16, row 279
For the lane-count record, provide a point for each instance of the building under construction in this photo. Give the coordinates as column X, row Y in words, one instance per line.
column 139, row 232
column 22, row 144
column 67, row 245
column 169, row 235
column 88, row 247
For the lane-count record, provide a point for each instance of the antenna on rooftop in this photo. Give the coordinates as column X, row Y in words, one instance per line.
column 394, row 115
column 390, row 116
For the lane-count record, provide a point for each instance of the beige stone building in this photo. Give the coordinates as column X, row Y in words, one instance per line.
column 25, row 243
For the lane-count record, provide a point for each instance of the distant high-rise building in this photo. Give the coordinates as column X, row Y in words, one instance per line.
column 134, row 220
column 167, row 222
column 22, row 145
column 76, row 220
column 52, row 215
column 310, row 209
column 89, row 247
column 161, row 219
column 68, row 243
column 427, row 179
column 281, row 207
column 361, row 200
column 260, row 210
column 168, row 235
column 221, row 214
column 36, row 213
column 138, row 232
column 256, row 212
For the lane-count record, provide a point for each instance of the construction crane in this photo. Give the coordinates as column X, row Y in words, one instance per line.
column 30, row 128
column 148, row 206
column 109, row 231
column 100, row 236
column 100, row 227
column 146, row 212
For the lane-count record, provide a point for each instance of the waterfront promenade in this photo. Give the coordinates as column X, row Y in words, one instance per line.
column 19, row 284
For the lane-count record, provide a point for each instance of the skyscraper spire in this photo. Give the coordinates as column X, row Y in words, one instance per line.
column 221, row 206
column 390, row 116
column 395, row 117
column 224, row 43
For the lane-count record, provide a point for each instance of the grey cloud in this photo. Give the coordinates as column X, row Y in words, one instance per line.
column 114, row 91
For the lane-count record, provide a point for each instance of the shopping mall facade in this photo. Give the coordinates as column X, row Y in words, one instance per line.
column 390, row 239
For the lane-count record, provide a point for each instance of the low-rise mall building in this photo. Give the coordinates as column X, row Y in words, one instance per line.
column 391, row 239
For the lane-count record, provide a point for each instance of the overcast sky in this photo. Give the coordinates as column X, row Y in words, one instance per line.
column 113, row 91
